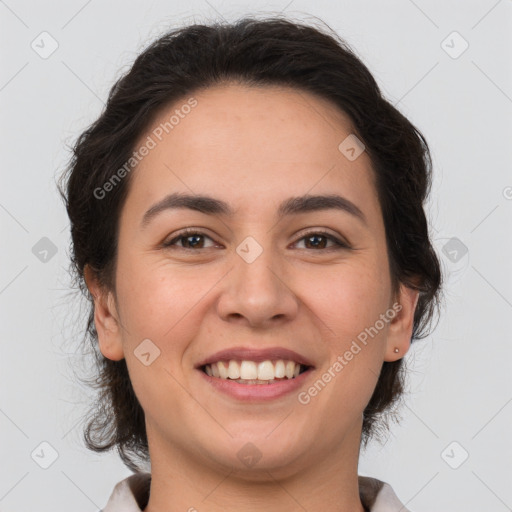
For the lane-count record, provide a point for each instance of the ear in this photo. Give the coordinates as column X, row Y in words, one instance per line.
column 400, row 327
column 106, row 320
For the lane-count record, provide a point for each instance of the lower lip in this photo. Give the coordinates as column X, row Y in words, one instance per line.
column 264, row 392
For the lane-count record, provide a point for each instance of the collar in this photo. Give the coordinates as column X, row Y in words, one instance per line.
column 132, row 495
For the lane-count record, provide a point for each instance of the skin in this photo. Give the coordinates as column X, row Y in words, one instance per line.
column 253, row 148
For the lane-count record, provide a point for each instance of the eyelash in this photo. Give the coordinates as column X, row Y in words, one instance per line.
column 190, row 231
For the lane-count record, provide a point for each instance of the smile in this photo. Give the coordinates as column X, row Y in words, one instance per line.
column 256, row 374
column 252, row 372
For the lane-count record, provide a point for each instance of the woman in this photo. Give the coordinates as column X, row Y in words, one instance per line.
column 248, row 226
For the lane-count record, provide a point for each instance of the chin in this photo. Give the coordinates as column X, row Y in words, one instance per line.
column 252, row 457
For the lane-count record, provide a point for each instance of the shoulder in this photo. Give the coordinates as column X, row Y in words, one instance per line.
column 130, row 494
column 379, row 496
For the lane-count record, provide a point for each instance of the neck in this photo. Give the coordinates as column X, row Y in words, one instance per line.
column 319, row 482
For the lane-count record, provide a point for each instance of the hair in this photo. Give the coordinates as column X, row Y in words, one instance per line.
column 270, row 52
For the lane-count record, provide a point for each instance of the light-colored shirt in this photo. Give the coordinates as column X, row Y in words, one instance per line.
column 132, row 495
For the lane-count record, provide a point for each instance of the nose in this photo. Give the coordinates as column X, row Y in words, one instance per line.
column 259, row 293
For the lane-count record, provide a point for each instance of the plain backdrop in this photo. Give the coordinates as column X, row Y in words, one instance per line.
column 445, row 65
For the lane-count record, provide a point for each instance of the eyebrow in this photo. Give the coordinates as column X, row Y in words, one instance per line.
column 291, row 206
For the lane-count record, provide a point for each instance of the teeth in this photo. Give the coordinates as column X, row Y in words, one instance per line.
column 279, row 369
column 234, row 370
column 250, row 372
column 223, row 371
column 266, row 370
column 254, row 381
column 290, row 369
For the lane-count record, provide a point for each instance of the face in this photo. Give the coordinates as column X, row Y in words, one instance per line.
column 257, row 278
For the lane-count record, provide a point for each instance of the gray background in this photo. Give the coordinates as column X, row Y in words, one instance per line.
column 460, row 387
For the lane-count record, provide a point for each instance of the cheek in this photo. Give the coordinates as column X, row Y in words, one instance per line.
column 349, row 301
column 164, row 305
column 352, row 305
column 350, row 296
column 159, row 302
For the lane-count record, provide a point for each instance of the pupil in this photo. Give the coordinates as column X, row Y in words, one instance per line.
column 195, row 237
column 313, row 237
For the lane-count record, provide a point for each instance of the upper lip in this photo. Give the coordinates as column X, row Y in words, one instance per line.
column 256, row 355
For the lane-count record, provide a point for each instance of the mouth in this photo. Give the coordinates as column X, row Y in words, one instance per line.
column 252, row 372
column 256, row 374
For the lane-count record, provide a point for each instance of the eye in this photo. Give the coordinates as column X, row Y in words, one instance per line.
column 319, row 239
column 189, row 238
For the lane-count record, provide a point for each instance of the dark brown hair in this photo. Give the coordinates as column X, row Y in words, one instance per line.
column 274, row 51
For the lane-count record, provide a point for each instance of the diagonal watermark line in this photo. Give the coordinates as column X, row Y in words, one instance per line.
column 13, row 13
column 508, row 507
column 307, row 192
column 76, row 14
column 494, row 288
column 83, row 82
column 71, row 429
column 416, row 84
column 425, row 14
column 422, row 421
column 216, row 11
column 332, row 332
column 13, row 423
column 485, row 15
column 280, row 423
column 317, row 112
column 408, row 501
column 377, row 375
column 508, row 401
column 206, row 293
column 169, row 168
column 492, row 211
column 14, row 76
column 287, row 5
column 14, row 218
column 177, row 177
column 85, row 494
column 286, row 491
column 118, row 317
column 492, row 81
column 218, row 485
column 199, row 403
column 14, row 485
column 13, row 279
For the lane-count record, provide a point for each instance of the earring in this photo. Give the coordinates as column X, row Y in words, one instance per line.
column 397, row 350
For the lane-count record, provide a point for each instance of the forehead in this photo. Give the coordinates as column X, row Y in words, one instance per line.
column 250, row 143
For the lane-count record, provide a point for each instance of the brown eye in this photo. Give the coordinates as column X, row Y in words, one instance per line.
column 189, row 240
column 319, row 240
